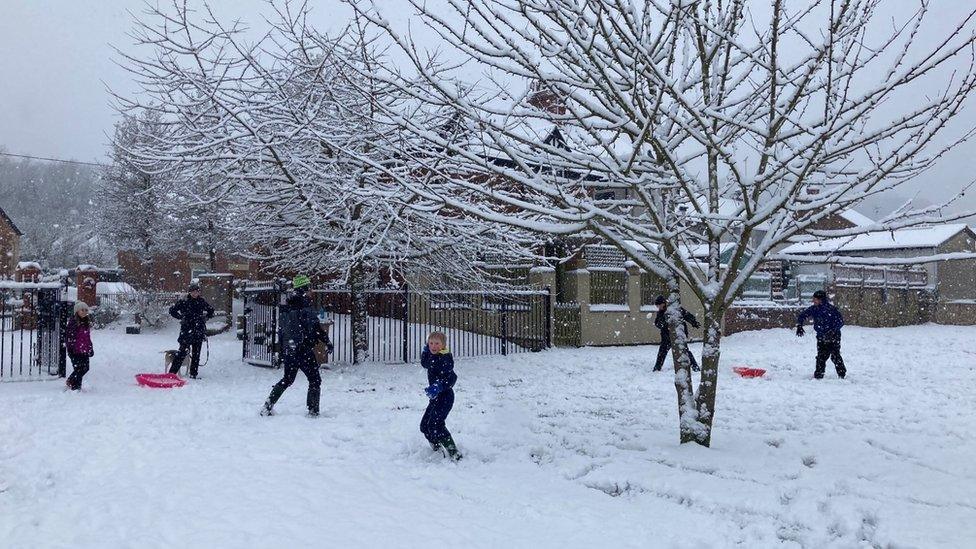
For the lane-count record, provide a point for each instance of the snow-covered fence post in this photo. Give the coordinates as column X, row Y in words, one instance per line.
column 405, row 335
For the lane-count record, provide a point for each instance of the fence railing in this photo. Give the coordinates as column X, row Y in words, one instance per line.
column 894, row 277
column 32, row 319
column 608, row 287
column 397, row 323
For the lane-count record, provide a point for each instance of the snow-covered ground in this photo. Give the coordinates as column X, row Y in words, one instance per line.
column 569, row 448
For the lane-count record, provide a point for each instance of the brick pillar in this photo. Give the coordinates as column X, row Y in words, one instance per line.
column 27, row 272
column 87, row 281
column 633, row 288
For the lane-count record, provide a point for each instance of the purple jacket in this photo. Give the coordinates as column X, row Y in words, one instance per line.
column 78, row 337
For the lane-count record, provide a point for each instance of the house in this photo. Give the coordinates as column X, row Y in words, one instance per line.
column 951, row 280
column 173, row 271
column 9, row 245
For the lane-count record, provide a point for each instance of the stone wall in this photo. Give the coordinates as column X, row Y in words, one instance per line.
column 631, row 323
column 883, row 307
column 959, row 313
column 744, row 318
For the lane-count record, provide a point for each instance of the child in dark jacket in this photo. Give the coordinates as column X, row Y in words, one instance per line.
column 78, row 345
column 827, row 323
column 439, row 363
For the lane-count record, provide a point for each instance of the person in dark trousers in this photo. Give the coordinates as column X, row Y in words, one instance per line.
column 661, row 321
column 827, row 323
column 439, row 363
column 298, row 332
column 193, row 312
column 78, row 345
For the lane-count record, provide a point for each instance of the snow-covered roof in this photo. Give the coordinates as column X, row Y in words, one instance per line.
column 28, row 265
column 5, row 217
column 109, row 288
column 857, row 218
column 604, row 257
column 852, row 216
column 924, row 237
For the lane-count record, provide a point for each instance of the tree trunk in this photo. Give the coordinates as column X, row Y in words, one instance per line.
column 359, row 313
column 212, row 245
column 708, row 385
column 689, row 425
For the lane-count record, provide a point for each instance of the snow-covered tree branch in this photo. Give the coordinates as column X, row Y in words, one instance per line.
column 297, row 145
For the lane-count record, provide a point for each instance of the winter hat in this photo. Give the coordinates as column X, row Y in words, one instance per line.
column 194, row 286
column 660, row 300
column 300, row 282
column 80, row 306
column 821, row 295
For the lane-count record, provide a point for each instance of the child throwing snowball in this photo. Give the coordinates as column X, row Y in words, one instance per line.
column 439, row 363
column 78, row 345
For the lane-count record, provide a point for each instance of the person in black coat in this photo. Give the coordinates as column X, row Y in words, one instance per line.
column 827, row 323
column 299, row 331
column 661, row 321
column 439, row 363
column 193, row 312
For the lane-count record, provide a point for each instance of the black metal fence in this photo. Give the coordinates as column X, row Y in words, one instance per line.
column 398, row 322
column 260, row 329
column 32, row 321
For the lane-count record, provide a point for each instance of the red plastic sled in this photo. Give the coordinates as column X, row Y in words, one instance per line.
column 748, row 372
column 160, row 381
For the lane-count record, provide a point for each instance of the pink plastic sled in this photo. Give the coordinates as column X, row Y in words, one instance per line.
column 160, row 381
column 748, row 372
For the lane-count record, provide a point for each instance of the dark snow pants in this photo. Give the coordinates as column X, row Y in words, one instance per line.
column 304, row 361
column 194, row 350
column 829, row 348
column 80, row 364
column 662, row 354
column 433, row 424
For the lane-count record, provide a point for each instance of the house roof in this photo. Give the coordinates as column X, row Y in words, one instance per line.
column 857, row 218
column 924, row 237
column 4, row 216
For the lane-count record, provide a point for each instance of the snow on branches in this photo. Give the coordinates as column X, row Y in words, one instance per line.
column 679, row 125
column 291, row 132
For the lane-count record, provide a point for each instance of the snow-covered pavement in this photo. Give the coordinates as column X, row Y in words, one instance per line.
column 568, row 448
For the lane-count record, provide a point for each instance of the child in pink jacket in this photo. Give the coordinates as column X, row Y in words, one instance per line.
column 78, row 344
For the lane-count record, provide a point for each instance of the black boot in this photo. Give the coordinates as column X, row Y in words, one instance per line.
column 435, row 446
column 451, row 448
column 267, row 410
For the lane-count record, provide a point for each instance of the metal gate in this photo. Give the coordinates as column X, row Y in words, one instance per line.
column 261, row 302
column 32, row 321
column 398, row 322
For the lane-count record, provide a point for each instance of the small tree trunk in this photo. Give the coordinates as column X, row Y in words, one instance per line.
column 705, row 399
column 359, row 313
column 212, row 248
column 688, row 423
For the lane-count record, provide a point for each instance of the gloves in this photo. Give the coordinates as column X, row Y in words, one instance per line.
column 433, row 390
column 799, row 331
column 330, row 347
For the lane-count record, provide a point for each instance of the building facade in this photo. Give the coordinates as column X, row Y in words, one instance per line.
column 173, row 271
column 9, row 245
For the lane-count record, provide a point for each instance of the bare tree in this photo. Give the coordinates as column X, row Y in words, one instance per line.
column 708, row 119
column 291, row 131
column 52, row 203
column 134, row 203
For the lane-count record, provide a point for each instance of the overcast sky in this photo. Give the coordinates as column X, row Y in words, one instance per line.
column 56, row 63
